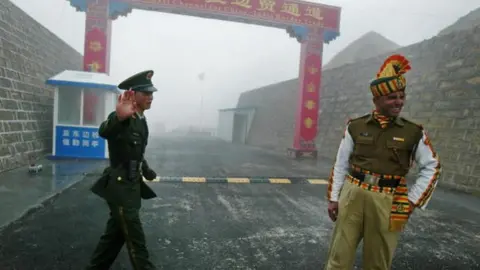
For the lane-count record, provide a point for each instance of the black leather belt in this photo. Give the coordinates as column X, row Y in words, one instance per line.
column 375, row 180
column 127, row 164
column 133, row 168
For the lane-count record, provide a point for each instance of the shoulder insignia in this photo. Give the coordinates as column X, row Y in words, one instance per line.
column 351, row 120
column 359, row 118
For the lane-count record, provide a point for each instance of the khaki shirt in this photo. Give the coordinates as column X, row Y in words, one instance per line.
column 383, row 150
column 387, row 151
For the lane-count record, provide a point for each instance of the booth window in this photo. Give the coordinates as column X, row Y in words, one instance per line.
column 93, row 107
column 69, row 102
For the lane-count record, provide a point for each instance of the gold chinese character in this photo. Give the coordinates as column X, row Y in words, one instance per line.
column 314, row 12
column 94, row 66
column 308, row 122
column 311, row 87
column 216, row 1
column 312, row 70
column 242, row 3
column 310, row 104
column 95, row 46
column 291, row 9
column 267, row 5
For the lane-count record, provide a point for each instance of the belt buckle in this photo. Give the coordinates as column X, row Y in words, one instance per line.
column 371, row 179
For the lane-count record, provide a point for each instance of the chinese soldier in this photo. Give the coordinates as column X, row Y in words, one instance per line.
column 121, row 184
column 367, row 190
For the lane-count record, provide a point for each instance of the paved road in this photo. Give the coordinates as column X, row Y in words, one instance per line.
column 232, row 226
column 210, row 158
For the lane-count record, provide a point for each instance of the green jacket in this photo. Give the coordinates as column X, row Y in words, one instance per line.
column 384, row 151
column 127, row 140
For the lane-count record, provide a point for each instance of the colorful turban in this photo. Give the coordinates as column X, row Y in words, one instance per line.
column 390, row 77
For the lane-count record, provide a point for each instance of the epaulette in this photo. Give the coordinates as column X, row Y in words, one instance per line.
column 358, row 118
column 411, row 122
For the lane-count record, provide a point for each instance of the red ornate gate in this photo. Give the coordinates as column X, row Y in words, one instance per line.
column 311, row 24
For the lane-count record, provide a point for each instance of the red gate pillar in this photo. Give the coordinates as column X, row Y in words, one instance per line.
column 96, row 56
column 306, row 119
column 97, row 37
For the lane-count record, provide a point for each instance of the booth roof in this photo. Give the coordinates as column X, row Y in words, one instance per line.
column 238, row 109
column 83, row 79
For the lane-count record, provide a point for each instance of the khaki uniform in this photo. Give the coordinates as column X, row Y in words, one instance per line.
column 368, row 182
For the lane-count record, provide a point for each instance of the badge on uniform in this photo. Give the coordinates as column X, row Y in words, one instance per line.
column 398, row 139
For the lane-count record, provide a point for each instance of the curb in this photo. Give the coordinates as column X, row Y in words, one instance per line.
column 240, row 180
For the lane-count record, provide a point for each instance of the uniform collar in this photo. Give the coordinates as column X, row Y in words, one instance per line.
column 140, row 116
column 398, row 120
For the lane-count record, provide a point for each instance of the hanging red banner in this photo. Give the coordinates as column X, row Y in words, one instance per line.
column 95, row 51
column 310, row 97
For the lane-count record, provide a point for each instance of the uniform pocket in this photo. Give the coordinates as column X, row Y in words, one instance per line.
column 350, row 203
column 118, row 175
column 400, row 152
column 135, row 142
column 364, row 146
column 120, row 189
column 397, row 144
column 135, row 138
column 348, row 194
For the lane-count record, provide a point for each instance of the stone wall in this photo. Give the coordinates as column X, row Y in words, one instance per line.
column 29, row 54
column 443, row 95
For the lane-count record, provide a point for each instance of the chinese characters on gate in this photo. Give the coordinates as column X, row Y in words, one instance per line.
column 293, row 12
column 80, row 138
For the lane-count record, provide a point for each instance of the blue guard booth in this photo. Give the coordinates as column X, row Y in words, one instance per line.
column 82, row 102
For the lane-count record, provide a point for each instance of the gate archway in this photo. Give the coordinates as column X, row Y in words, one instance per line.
column 311, row 24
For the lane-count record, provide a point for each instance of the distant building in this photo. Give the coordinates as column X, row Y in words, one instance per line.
column 234, row 124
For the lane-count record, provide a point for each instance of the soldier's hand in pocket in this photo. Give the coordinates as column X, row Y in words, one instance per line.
column 333, row 210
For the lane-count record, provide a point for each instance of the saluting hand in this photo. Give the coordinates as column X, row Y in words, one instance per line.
column 126, row 105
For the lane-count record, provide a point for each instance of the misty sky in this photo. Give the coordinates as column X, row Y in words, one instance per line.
column 235, row 57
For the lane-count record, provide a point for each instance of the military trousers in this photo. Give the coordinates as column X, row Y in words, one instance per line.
column 362, row 214
column 123, row 227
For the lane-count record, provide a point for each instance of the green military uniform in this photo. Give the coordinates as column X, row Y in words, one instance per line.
column 122, row 186
column 383, row 151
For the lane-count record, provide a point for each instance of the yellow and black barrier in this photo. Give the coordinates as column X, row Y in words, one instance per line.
column 240, row 180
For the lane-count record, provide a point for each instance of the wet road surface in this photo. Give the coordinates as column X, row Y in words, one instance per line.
column 232, row 226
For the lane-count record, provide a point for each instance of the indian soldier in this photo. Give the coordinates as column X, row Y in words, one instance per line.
column 121, row 184
column 367, row 192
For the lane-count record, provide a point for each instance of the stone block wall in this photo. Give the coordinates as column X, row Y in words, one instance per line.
column 29, row 55
column 443, row 95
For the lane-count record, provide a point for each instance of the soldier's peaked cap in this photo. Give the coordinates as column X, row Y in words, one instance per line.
column 140, row 82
